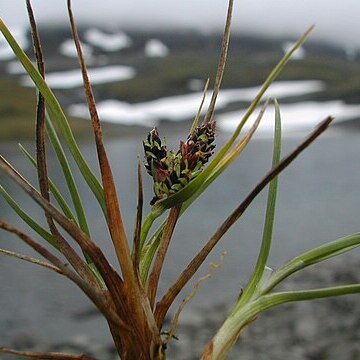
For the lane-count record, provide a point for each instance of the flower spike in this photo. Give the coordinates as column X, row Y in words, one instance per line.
column 173, row 171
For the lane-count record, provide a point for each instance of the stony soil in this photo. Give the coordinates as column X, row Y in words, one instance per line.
column 319, row 330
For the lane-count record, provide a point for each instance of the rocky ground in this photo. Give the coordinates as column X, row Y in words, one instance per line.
column 319, row 330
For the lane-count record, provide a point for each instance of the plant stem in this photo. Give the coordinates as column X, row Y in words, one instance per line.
column 160, row 258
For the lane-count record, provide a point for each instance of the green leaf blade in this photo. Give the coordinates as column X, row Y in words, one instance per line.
column 54, row 190
column 58, row 115
column 312, row 257
column 27, row 219
column 261, row 263
column 55, row 142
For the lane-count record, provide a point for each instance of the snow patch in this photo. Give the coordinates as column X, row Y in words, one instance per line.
column 107, row 42
column 72, row 78
column 183, row 107
column 68, row 49
column 296, row 117
column 156, row 48
column 20, row 34
column 15, row 68
column 299, row 53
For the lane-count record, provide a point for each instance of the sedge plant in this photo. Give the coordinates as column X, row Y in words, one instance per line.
column 129, row 300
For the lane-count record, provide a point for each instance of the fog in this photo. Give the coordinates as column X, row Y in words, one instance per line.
column 336, row 21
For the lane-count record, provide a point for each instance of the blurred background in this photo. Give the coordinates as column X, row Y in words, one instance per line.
column 148, row 62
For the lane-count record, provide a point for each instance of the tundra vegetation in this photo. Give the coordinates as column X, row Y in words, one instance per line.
column 129, row 299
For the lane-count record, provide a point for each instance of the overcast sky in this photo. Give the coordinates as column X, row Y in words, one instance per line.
column 335, row 20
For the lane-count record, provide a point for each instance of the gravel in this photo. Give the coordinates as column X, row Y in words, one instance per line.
column 318, row 330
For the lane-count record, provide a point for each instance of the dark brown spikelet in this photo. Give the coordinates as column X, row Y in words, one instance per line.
column 173, row 171
column 200, row 145
column 154, row 150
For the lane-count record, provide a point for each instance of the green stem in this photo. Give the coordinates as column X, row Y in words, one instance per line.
column 148, row 253
column 156, row 211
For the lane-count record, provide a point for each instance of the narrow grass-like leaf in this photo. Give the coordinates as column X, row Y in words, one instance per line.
column 64, row 206
column 160, row 257
column 304, row 295
column 229, row 158
column 193, row 186
column 138, row 221
column 314, row 256
column 113, row 281
column 148, row 253
column 41, row 158
column 54, row 190
column 40, row 148
column 198, row 182
column 150, row 248
column 31, row 260
column 197, row 117
column 45, row 355
column 97, row 295
column 156, row 211
column 94, row 292
column 196, row 262
column 115, row 223
column 56, row 144
column 78, row 235
column 61, row 201
column 28, row 220
column 159, row 208
column 222, row 63
column 221, row 344
column 269, row 217
column 331, row 249
column 57, row 115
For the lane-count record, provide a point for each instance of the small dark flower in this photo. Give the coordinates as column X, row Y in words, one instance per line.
column 154, row 150
column 199, row 145
column 173, row 171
